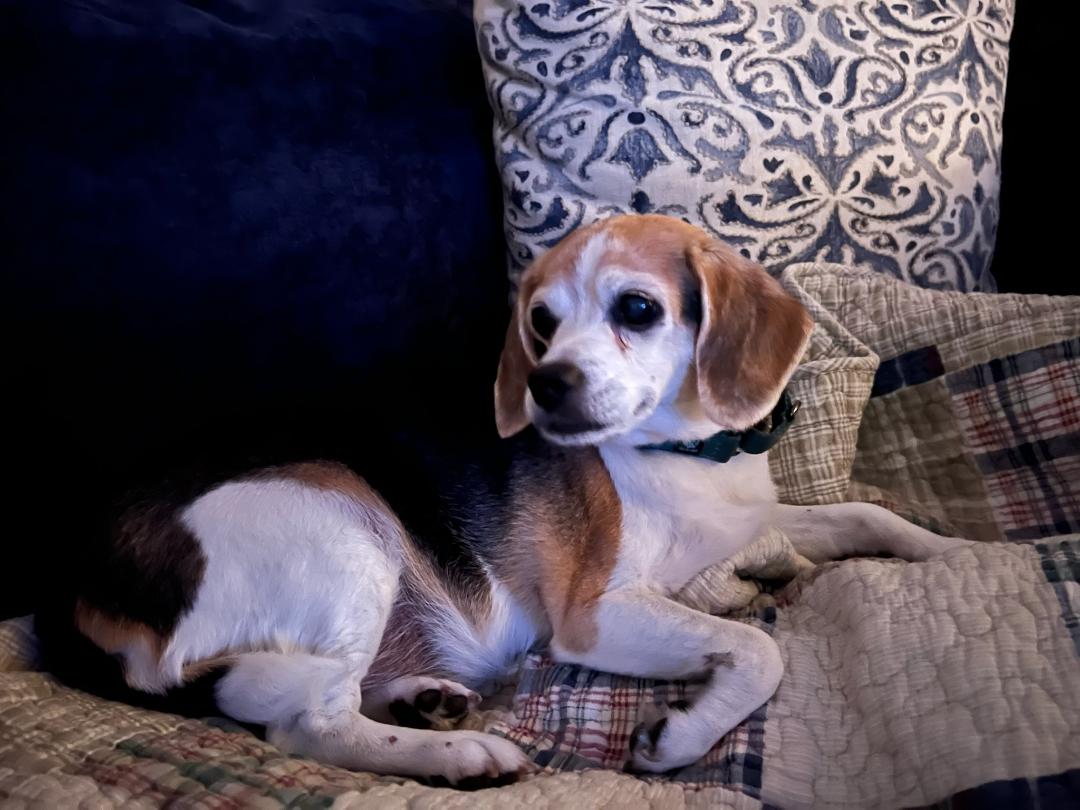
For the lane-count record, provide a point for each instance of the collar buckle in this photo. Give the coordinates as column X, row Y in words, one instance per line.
column 723, row 446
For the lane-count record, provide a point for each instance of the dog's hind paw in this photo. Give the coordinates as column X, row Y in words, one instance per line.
column 432, row 703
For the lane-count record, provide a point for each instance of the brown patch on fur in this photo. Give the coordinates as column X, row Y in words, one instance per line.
column 114, row 634
column 197, row 669
column 567, row 540
column 561, row 260
column 656, row 245
column 329, row 475
column 515, row 365
column 751, row 337
column 516, row 362
column 332, row 476
column 139, row 585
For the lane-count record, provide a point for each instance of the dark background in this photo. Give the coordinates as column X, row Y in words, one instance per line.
column 1032, row 253
column 223, row 224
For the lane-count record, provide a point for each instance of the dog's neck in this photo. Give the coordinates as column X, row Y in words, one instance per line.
column 674, row 481
column 675, row 422
column 674, row 498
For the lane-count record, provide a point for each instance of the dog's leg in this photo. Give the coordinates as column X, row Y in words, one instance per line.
column 311, row 706
column 831, row 531
column 646, row 635
column 418, row 701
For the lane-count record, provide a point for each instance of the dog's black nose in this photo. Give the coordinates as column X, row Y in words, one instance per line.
column 552, row 382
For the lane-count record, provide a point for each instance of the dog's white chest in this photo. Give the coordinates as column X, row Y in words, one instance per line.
column 680, row 515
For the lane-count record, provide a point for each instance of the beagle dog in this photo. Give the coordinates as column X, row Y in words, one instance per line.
column 354, row 617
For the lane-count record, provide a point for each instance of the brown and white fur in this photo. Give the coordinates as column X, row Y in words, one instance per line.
column 325, row 612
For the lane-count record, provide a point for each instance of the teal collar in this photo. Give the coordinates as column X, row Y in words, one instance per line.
column 726, row 444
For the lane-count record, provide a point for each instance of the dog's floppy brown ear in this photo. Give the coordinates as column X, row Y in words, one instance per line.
column 751, row 337
column 515, row 364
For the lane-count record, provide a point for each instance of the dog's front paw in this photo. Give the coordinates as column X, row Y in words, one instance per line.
column 474, row 760
column 656, row 746
column 645, row 745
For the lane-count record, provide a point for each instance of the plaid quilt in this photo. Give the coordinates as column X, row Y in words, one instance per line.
column 950, row 683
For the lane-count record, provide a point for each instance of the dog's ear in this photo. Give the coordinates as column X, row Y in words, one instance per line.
column 515, row 364
column 752, row 335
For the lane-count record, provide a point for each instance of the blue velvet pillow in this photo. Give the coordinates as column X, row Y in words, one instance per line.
column 222, row 217
column 210, row 191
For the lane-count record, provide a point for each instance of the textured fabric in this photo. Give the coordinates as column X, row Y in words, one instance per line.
column 17, row 645
column 957, row 408
column 728, row 587
column 571, row 718
column 62, row 749
column 903, row 685
column 888, row 700
column 1061, row 564
column 867, row 133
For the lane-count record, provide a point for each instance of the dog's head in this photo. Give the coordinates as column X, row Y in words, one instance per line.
column 645, row 327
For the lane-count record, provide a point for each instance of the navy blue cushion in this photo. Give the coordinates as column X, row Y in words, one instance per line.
column 231, row 217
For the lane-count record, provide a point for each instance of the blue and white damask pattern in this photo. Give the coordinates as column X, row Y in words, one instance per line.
column 862, row 131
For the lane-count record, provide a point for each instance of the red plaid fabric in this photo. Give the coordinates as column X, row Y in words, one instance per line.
column 1021, row 418
column 572, row 718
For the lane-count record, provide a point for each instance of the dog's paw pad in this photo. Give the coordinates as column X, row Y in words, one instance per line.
column 662, row 745
column 645, row 738
column 436, row 707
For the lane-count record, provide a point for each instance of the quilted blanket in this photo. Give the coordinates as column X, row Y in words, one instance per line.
column 954, row 682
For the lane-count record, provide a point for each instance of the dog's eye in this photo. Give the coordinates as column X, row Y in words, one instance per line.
column 544, row 323
column 636, row 310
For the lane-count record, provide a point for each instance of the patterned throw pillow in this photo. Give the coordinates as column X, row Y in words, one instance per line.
column 862, row 132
